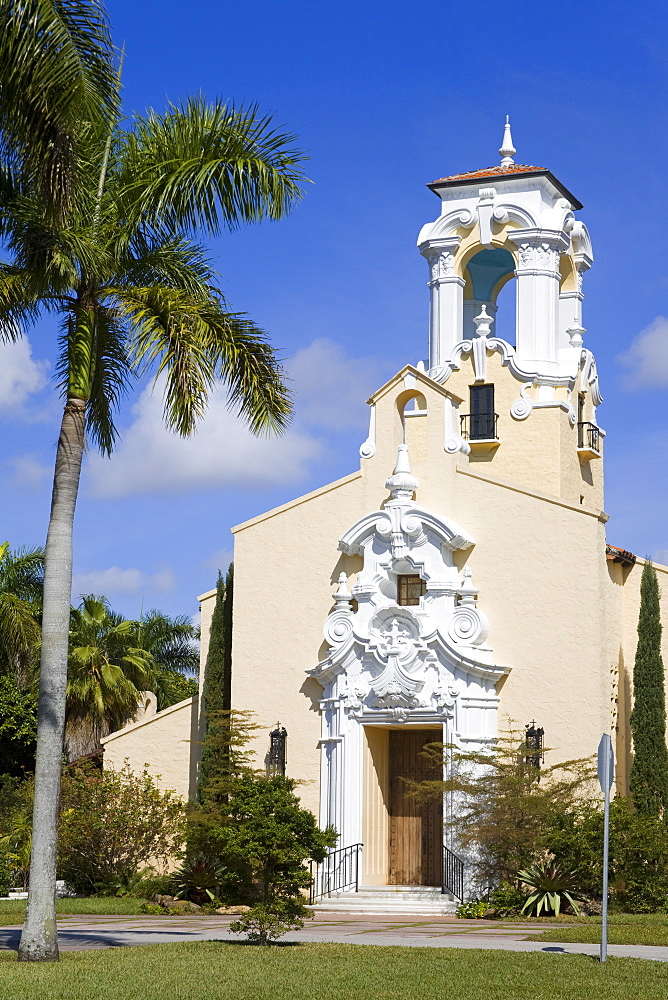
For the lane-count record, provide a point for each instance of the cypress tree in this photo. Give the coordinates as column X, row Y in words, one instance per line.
column 649, row 771
column 217, row 687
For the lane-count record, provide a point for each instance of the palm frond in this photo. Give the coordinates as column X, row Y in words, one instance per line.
column 18, row 303
column 111, row 376
column 208, row 166
column 19, row 630
column 166, row 260
column 56, row 69
column 194, row 341
column 22, row 573
column 172, row 642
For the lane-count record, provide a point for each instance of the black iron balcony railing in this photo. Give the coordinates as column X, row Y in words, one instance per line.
column 453, row 874
column 479, row 426
column 339, row 871
column 589, row 436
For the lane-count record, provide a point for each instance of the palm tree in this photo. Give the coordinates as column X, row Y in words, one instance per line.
column 107, row 673
column 172, row 642
column 56, row 71
column 135, row 293
column 21, row 579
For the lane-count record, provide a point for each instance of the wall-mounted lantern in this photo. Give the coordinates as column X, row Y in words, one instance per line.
column 533, row 742
column 278, row 739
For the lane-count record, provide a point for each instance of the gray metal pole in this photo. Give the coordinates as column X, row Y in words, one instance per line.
column 606, row 841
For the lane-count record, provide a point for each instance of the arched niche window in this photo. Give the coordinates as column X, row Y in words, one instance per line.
column 414, row 425
column 487, row 274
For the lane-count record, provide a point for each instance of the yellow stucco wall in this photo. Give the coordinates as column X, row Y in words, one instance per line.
column 166, row 743
column 562, row 617
column 539, row 563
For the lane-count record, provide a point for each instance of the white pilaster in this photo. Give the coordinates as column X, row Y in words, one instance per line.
column 537, row 314
column 446, row 320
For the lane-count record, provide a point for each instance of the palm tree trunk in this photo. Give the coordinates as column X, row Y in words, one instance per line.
column 39, row 940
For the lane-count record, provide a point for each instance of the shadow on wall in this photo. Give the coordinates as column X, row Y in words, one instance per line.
column 623, row 740
column 195, row 745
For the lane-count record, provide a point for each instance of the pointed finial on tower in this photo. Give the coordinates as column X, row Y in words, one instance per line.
column 507, row 150
column 401, row 483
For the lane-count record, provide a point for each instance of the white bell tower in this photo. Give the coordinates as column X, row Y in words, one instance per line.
column 497, row 224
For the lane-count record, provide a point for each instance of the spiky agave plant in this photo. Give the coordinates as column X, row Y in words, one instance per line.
column 198, row 881
column 551, row 886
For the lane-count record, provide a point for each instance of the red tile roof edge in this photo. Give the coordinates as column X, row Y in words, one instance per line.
column 492, row 172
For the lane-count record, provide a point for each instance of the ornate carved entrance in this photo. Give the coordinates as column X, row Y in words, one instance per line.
column 415, row 828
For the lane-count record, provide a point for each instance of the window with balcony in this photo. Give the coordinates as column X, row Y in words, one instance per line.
column 481, row 423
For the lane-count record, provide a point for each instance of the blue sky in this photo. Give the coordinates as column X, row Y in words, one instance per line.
column 384, row 98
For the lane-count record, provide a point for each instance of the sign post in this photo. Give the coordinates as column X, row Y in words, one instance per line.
column 606, row 773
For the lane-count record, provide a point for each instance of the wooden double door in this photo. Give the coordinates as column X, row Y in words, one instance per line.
column 415, row 828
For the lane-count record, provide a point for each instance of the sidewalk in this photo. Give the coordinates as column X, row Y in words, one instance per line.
column 82, row 933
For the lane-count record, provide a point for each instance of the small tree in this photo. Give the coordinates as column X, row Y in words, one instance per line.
column 265, row 843
column 18, row 728
column 649, row 771
column 217, row 686
column 505, row 805
column 111, row 824
column 253, row 828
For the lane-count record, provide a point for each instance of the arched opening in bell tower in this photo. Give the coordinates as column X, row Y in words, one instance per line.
column 486, row 274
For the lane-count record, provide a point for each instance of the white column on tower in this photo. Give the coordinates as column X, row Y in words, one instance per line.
column 446, row 319
column 537, row 314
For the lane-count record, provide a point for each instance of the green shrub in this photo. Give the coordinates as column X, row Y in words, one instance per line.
column 638, row 855
column 112, row 823
column 266, row 922
column 153, row 909
column 7, row 870
column 506, row 900
column 473, row 909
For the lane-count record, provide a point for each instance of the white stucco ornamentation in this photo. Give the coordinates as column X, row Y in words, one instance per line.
column 368, row 447
column 521, row 408
column 390, row 664
column 590, row 376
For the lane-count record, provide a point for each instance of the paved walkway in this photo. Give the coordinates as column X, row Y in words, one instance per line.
column 86, row 932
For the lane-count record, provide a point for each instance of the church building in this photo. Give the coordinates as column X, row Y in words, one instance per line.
column 459, row 581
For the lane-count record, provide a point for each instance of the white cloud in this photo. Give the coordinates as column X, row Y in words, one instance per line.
column 331, row 389
column 330, row 392
column 20, row 375
column 116, row 581
column 27, row 472
column 646, row 359
column 151, row 459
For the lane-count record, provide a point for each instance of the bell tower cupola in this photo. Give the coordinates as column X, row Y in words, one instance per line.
column 503, row 223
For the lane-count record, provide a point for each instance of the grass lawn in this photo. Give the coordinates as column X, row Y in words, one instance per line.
column 12, row 911
column 211, row 970
column 623, row 928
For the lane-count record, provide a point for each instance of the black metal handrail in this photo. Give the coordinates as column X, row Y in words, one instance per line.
column 479, row 426
column 453, row 874
column 588, row 435
column 339, row 871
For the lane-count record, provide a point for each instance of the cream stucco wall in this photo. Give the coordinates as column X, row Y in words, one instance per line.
column 562, row 617
column 166, row 744
column 539, row 561
column 624, row 607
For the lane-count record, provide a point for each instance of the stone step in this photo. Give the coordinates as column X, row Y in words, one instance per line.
column 391, row 899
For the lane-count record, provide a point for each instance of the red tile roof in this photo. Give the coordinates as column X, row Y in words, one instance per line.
column 517, row 168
